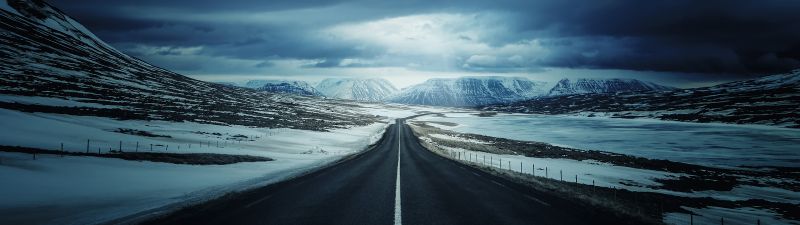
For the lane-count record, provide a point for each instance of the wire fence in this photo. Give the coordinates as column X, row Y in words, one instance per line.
column 557, row 174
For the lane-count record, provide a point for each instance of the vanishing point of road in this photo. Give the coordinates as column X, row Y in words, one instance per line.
column 396, row 182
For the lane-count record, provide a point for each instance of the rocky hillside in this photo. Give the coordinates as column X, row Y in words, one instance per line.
column 770, row 100
column 50, row 63
column 586, row 86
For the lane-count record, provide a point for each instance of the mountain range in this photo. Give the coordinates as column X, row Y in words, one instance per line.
column 586, row 86
column 769, row 100
column 370, row 89
column 284, row 86
column 470, row 91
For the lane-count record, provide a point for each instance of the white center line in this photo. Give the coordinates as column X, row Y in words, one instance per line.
column 398, row 220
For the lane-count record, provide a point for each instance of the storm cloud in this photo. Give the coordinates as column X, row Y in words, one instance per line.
column 247, row 36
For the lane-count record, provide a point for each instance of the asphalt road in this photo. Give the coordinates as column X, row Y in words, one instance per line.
column 372, row 188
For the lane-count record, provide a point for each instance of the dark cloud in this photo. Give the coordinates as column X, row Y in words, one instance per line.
column 714, row 36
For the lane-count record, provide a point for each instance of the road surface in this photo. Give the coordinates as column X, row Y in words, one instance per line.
column 373, row 188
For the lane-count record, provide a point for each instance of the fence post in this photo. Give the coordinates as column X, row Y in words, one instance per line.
column 151, row 147
column 509, row 165
column 691, row 218
column 615, row 193
column 545, row 173
column 137, row 146
column 87, row 146
column 721, row 221
column 62, row 149
column 520, row 167
column 120, row 146
column 533, row 169
column 561, row 173
column 166, row 149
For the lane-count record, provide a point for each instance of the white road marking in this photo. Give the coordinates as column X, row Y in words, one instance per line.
column 398, row 219
column 476, row 174
column 537, row 200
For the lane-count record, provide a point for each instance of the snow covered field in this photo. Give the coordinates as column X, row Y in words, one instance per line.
column 719, row 145
column 722, row 145
column 85, row 190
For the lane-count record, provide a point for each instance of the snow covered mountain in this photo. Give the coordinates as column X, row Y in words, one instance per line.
column 52, row 64
column 470, row 91
column 370, row 90
column 585, row 86
column 770, row 100
column 284, row 86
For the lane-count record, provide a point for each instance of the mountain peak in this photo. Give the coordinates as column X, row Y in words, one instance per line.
column 284, row 86
column 470, row 91
column 359, row 89
column 584, row 86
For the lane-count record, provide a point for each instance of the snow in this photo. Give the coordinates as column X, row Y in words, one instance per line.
column 452, row 138
column 395, row 111
column 372, row 90
column 81, row 190
column 470, row 91
column 738, row 216
column 4, row 5
column 50, row 101
column 722, row 145
column 584, row 86
column 604, row 175
column 762, row 144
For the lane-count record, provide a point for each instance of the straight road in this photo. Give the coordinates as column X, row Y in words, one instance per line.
column 397, row 182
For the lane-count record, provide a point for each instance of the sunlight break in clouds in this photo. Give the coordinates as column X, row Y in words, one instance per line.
column 440, row 42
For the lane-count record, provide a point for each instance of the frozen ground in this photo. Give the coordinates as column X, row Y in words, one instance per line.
column 722, row 145
column 86, row 190
column 707, row 144
column 738, row 216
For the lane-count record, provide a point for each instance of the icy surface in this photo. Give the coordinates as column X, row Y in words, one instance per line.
column 738, row 216
column 705, row 144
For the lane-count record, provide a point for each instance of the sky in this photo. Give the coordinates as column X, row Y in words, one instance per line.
column 682, row 43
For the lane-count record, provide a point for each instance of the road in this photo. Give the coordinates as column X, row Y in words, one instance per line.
column 373, row 188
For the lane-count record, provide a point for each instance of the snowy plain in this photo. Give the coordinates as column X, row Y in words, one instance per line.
column 89, row 190
column 723, row 145
column 720, row 145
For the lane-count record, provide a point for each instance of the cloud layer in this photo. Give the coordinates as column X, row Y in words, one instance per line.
column 257, row 37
